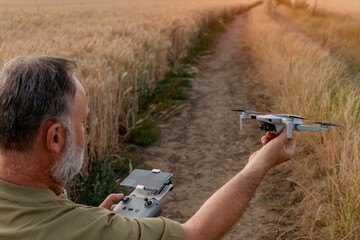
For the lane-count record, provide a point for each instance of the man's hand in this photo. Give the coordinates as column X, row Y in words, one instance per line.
column 110, row 202
column 236, row 194
column 277, row 148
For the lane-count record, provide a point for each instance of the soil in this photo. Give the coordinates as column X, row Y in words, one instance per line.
column 204, row 147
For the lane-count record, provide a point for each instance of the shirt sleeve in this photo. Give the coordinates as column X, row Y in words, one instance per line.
column 103, row 224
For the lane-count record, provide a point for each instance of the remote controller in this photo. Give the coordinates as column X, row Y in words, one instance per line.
column 132, row 206
column 144, row 201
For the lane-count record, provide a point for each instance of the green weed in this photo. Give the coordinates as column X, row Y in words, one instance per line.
column 93, row 187
column 144, row 134
column 267, row 199
column 170, row 89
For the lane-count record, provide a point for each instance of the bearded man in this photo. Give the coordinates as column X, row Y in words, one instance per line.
column 43, row 107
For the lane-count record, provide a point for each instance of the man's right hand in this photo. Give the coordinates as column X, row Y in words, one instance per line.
column 277, row 148
column 236, row 194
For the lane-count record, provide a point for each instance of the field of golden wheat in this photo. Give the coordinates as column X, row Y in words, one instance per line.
column 348, row 7
column 303, row 77
column 119, row 46
column 122, row 47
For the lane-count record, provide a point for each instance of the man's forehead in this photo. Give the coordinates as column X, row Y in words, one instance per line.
column 78, row 84
column 80, row 97
column 80, row 90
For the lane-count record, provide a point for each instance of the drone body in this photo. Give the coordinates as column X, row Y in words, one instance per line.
column 277, row 122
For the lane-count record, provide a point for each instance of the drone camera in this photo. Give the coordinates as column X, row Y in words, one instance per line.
column 267, row 127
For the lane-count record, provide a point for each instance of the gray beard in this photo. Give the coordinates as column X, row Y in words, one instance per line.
column 71, row 160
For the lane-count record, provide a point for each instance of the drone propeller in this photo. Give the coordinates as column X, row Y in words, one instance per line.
column 289, row 116
column 245, row 111
column 328, row 124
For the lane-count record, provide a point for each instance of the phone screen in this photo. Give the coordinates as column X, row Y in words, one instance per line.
column 150, row 181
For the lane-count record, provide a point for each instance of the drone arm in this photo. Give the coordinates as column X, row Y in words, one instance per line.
column 241, row 118
column 289, row 128
column 309, row 128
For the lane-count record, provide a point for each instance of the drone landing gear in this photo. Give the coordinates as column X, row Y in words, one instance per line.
column 268, row 127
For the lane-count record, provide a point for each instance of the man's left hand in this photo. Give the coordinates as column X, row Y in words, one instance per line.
column 110, row 202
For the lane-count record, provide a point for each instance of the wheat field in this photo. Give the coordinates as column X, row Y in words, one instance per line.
column 347, row 7
column 304, row 78
column 121, row 45
column 117, row 45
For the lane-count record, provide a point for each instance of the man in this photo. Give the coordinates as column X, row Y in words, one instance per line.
column 42, row 112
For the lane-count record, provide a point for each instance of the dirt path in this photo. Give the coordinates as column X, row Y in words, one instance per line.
column 204, row 148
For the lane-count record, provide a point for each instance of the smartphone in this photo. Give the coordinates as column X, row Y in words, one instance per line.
column 152, row 181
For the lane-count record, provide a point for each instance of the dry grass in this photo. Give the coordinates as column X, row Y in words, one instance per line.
column 303, row 79
column 348, row 7
column 120, row 46
column 340, row 33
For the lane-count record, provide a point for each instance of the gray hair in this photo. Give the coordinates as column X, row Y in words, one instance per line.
column 33, row 89
column 72, row 157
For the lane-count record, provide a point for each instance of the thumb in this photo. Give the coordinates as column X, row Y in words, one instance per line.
column 282, row 139
column 283, row 136
column 110, row 200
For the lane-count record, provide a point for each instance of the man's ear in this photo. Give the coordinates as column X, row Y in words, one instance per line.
column 55, row 138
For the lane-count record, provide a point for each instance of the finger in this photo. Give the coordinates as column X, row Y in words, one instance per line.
column 289, row 148
column 112, row 207
column 264, row 140
column 290, row 143
column 111, row 199
column 272, row 135
column 268, row 137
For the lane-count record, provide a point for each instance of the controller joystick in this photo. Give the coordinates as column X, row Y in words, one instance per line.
column 139, row 207
column 126, row 199
column 147, row 202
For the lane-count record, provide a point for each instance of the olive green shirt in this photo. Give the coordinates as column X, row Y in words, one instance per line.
column 37, row 213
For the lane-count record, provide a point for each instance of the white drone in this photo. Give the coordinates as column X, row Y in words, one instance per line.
column 277, row 122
